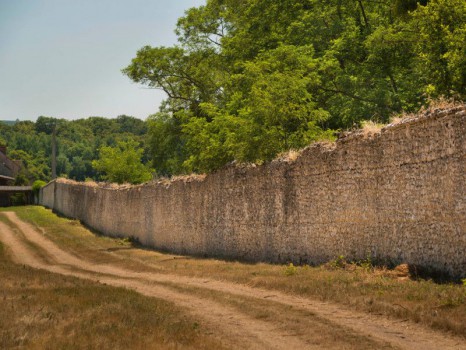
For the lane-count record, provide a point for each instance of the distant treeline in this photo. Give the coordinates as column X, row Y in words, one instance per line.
column 78, row 144
column 9, row 122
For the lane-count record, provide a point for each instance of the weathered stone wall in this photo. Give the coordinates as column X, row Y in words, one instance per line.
column 46, row 195
column 398, row 195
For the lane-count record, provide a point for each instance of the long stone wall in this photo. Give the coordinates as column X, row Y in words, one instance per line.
column 397, row 195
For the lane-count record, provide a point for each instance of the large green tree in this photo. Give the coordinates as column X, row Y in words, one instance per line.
column 122, row 164
column 440, row 47
column 251, row 79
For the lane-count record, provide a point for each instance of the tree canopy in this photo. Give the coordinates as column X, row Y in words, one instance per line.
column 251, row 79
column 78, row 143
column 122, row 163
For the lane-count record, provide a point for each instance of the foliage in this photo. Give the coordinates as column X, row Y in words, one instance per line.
column 440, row 48
column 165, row 142
column 37, row 185
column 122, row 164
column 21, row 179
column 252, row 79
column 338, row 263
column 290, row 270
column 77, row 143
column 367, row 263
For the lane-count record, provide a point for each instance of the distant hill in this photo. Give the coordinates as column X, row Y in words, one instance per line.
column 9, row 122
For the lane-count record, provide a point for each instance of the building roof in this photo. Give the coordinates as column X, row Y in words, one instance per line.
column 8, row 167
column 15, row 188
column 4, row 177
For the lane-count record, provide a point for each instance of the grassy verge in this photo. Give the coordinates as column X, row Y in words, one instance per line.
column 77, row 238
column 42, row 310
column 362, row 287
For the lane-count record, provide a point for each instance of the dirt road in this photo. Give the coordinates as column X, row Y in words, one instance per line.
column 233, row 311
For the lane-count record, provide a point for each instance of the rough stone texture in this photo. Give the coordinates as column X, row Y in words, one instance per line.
column 398, row 195
column 46, row 195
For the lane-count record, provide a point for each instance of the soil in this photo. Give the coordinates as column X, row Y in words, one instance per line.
column 237, row 328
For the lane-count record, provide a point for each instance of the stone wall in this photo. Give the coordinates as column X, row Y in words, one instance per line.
column 46, row 195
column 397, row 195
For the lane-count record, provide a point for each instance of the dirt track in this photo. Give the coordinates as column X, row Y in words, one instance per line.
column 236, row 327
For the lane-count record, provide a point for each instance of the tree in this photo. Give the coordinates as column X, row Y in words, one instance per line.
column 128, row 124
column 276, row 99
column 35, row 167
column 253, row 78
column 187, row 77
column 48, row 124
column 122, row 163
column 440, row 47
column 166, row 142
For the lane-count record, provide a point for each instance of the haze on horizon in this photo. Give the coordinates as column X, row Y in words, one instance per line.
column 63, row 58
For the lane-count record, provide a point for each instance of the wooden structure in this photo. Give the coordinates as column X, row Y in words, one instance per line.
column 12, row 195
column 16, row 195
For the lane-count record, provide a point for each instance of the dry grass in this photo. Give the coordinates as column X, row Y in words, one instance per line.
column 365, row 288
column 289, row 156
column 360, row 286
column 432, row 106
column 41, row 310
column 291, row 321
column 371, row 128
column 441, row 103
column 92, row 183
column 115, row 186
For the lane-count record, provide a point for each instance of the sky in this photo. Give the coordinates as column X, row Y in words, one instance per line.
column 63, row 58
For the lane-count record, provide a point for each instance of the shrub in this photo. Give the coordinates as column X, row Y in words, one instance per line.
column 338, row 263
column 37, row 185
column 291, row 270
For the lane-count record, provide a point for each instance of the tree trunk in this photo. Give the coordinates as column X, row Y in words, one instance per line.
column 54, row 153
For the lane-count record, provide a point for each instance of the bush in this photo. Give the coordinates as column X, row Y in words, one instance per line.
column 37, row 185
column 291, row 270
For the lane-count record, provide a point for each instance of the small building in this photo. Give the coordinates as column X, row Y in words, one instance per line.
column 16, row 195
column 8, row 168
column 6, row 180
column 9, row 194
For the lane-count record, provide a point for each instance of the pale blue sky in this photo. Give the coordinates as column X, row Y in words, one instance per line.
column 63, row 58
